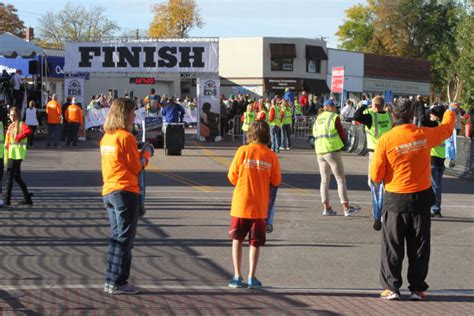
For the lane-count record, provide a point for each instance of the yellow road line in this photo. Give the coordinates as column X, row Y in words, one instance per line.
column 226, row 163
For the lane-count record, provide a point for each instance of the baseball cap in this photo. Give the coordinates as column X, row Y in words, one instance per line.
column 329, row 102
column 438, row 110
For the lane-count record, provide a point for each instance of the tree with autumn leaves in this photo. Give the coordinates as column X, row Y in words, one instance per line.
column 438, row 31
column 174, row 19
column 9, row 20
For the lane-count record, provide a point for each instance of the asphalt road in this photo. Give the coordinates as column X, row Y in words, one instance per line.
column 182, row 242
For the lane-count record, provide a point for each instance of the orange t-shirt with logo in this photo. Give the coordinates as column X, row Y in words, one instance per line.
column 53, row 110
column 402, row 156
column 120, row 162
column 253, row 169
column 73, row 114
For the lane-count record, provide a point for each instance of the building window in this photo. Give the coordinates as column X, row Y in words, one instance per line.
column 313, row 66
column 282, row 64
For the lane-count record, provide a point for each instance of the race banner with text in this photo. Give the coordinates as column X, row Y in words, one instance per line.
column 337, row 80
column 162, row 56
column 209, row 121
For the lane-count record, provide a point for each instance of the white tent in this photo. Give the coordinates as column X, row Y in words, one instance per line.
column 13, row 46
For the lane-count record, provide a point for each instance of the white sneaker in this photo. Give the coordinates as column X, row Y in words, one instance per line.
column 351, row 211
column 329, row 212
column 107, row 287
column 124, row 289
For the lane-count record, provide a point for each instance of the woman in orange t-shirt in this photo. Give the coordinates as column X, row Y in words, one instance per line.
column 120, row 168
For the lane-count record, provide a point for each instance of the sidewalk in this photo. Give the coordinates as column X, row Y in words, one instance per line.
column 176, row 300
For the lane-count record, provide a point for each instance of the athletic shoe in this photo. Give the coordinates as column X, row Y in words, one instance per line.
column 377, row 225
column 419, row 296
column 27, row 200
column 124, row 289
column 236, row 282
column 107, row 287
column 287, row 148
column 389, row 295
column 253, row 283
column 329, row 212
column 351, row 211
column 269, row 228
column 282, row 148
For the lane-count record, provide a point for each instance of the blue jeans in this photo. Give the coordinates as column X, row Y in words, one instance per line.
column 376, row 198
column 244, row 137
column 54, row 134
column 271, row 204
column 436, row 179
column 285, row 135
column 276, row 138
column 122, row 207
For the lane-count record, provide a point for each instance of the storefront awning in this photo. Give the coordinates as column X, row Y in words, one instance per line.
column 315, row 86
column 315, row 53
column 282, row 50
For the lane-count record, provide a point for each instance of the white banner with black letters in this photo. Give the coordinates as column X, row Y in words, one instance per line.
column 166, row 56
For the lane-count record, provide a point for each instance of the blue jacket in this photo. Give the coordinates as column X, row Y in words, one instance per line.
column 173, row 113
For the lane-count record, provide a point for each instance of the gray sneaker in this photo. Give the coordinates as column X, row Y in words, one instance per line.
column 351, row 211
column 329, row 212
column 107, row 287
column 124, row 289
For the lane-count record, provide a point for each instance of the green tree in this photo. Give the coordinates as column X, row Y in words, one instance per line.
column 358, row 28
column 75, row 23
column 9, row 20
column 175, row 19
column 464, row 65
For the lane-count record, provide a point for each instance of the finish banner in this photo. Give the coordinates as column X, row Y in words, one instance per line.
column 165, row 57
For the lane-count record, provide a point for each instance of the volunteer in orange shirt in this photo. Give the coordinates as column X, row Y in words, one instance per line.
column 53, row 110
column 120, row 168
column 402, row 162
column 74, row 119
column 253, row 169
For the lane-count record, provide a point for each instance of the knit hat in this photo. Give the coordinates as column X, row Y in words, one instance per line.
column 438, row 110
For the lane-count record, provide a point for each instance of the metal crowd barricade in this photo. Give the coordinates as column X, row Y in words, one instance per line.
column 303, row 126
column 236, row 127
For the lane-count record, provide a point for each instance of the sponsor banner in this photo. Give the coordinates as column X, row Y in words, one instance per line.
column 280, row 84
column 337, row 80
column 209, row 108
column 162, row 57
column 74, row 87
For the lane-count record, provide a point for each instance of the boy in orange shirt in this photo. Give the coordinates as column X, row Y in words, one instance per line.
column 253, row 169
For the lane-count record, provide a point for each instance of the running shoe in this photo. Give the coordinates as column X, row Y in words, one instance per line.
column 389, row 295
column 107, row 287
column 418, row 296
column 329, row 212
column 253, row 283
column 351, row 211
column 236, row 282
column 124, row 289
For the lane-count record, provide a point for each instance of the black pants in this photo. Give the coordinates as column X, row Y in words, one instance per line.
column 406, row 218
column 31, row 138
column 72, row 131
column 14, row 173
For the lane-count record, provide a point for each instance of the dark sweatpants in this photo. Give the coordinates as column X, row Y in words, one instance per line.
column 406, row 218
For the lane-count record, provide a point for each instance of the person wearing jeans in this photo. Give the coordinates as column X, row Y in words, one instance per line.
column 53, row 110
column 120, row 168
column 275, row 117
column 286, row 127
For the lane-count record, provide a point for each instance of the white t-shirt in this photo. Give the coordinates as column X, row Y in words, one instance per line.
column 31, row 118
column 16, row 80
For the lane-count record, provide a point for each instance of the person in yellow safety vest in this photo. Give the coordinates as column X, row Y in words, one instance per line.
column 15, row 153
column 298, row 110
column 377, row 122
column 275, row 118
column 329, row 138
column 286, row 126
column 438, row 155
column 2, row 153
column 247, row 119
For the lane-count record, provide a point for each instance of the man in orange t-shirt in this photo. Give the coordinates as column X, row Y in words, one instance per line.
column 53, row 110
column 74, row 119
column 402, row 161
column 253, row 169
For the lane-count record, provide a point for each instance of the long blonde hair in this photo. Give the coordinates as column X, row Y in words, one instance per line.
column 15, row 125
column 118, row 115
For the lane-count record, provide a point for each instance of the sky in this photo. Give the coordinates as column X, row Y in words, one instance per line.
column 222, row 18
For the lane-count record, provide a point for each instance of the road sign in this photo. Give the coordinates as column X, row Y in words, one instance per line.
column 388, row 96
column 337, row 80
